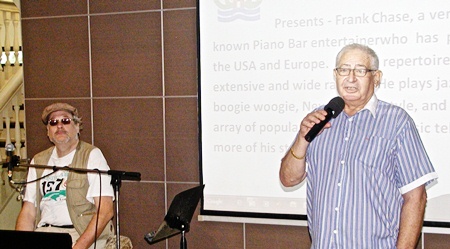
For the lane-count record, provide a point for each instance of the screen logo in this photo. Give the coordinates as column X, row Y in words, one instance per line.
column 232, row 10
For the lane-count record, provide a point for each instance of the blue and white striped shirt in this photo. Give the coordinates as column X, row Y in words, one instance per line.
column 357, row 172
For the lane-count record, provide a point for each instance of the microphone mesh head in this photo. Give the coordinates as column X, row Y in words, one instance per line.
column 9, row 147
column 336, row 105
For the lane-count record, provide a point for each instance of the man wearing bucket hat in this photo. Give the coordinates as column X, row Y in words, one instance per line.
column 66, row 201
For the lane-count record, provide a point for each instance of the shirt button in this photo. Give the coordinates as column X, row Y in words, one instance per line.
column 342, row 162
column 339, row 184
column 335, row 231
column 337, row 209
column 346, row 139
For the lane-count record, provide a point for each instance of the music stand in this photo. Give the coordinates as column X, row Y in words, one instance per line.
column 178, row 217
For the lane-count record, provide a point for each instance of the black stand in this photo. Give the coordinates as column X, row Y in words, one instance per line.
column 178, row 217
column 116, row 182
column 183, row 242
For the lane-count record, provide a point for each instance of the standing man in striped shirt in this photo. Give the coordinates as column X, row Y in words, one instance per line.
column 367, row 169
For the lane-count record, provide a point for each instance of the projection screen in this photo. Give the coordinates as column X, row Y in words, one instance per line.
column 264, row 64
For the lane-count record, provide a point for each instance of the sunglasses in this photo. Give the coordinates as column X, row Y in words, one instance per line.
column 65, row 121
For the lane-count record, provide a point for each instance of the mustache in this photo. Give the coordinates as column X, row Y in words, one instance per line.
column 61, row 131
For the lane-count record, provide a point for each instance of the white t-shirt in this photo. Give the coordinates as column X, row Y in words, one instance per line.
column 53, row 187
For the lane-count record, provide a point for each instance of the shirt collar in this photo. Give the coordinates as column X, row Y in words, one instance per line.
column 372, row 105
column 55, row 154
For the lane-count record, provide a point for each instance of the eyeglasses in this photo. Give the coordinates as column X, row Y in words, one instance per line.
column 65, row 121
column 359, row 72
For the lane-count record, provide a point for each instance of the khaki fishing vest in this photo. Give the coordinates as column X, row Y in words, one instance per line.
column 80, row 209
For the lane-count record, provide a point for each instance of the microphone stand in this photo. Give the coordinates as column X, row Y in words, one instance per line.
column 116, row 182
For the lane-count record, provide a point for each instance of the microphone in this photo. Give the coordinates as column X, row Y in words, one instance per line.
column 9, row 159
column 333, row 109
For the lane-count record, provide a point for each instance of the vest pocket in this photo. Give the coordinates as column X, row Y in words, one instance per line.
column 76, row 195
column 76, row 183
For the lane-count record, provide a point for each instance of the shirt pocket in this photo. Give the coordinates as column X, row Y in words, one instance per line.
column 374, row 152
